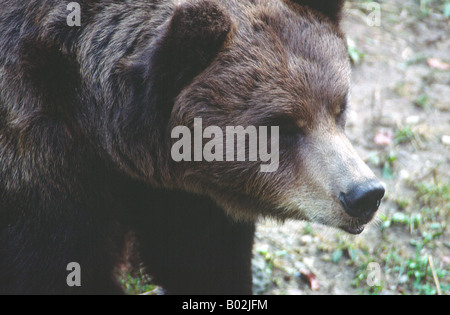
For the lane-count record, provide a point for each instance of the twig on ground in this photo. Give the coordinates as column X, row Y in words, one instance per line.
column 435, row 277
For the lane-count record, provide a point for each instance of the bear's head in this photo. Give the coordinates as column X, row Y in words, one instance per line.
column 262, row 63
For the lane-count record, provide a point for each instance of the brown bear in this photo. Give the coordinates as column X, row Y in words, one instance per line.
column 87, row 112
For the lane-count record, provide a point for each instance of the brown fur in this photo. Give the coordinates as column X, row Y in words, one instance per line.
column 282, row 68
column 85, row 136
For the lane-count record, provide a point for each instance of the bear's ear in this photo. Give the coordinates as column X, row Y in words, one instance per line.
column 330, row 8
column 197, row 30
column 187, row 45
column 184, row 47
column 194, row 36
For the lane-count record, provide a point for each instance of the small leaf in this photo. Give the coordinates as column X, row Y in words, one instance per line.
column 384, row 138
column 337, row 255
column 435, row 226
column 438, row 64
column 388, row 173
column 400, row 218
column 447, row 9
column 311, row 278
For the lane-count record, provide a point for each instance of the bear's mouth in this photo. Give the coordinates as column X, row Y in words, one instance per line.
column 354, row 230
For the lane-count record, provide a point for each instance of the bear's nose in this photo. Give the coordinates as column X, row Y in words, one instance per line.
column 363, row 200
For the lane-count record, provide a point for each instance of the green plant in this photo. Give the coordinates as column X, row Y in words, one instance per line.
column 434, row 193
column 385, row 160
column 356, row 55
column 388, row 165
column 446, row 9
column 423, row 101
column 404, row 134
column 135, row 285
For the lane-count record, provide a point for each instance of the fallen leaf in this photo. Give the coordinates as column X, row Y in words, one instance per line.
column 438, row 64
column 384, row 138
column 311, row 278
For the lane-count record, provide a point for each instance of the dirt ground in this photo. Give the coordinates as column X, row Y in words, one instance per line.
column 399, row 122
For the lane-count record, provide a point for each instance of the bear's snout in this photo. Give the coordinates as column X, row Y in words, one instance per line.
column 363, row 200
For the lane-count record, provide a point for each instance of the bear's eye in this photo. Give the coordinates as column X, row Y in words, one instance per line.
column 288, row 126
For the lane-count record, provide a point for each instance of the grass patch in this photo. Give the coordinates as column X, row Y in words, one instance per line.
column 135, row 285
column 414, row 267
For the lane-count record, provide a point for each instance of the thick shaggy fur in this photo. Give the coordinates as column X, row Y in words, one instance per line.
column 85, row 120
